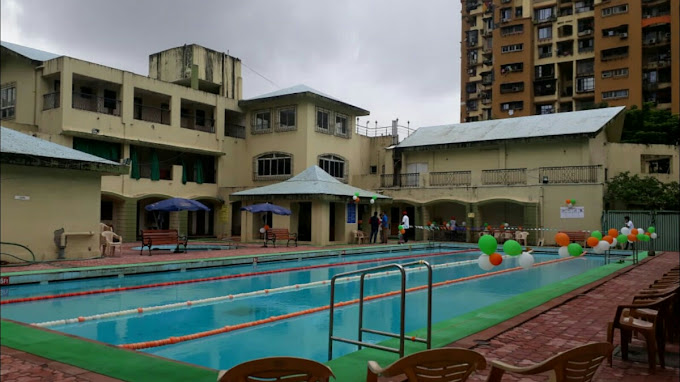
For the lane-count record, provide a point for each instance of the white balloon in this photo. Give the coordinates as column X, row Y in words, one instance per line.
column 563, row 251
column 464, row 224
column 625, row 231
column 526, row 260
column 602, row 245
column 598, row 250
column 641, row 230
column 653, row 236
column 614, row 242
column 262, row 230
column 372, row 201
column 355, row 197
column 484, row 262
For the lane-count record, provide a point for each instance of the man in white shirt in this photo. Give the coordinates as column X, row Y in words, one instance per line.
column 405, row 223
column 630, row 225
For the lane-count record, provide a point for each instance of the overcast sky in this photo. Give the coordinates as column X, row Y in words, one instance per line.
column 396, row 58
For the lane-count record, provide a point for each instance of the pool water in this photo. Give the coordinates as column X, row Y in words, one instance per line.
column 303, row 336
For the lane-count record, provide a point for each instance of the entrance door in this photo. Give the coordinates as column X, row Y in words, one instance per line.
column 305, row 222
column 236, row 219
column 331, row 226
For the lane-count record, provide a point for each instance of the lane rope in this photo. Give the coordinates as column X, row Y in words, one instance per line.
column 231, row 328
column 225, row 277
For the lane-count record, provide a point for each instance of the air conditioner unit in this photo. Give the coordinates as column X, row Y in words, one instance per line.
column 624, row 35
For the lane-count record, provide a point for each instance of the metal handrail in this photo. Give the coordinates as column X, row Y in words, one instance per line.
column 361, row 329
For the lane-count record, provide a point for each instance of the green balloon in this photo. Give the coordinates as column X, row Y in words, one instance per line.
column 486, row 224
column 575, row 249
column 488, row 244
column 641, row 236
column 622, row 238
column 400, row 227
column 512, row 248
column 647, row 238
column 573, row 201
column 597, row 234
column 651, row 229
column 356, row 194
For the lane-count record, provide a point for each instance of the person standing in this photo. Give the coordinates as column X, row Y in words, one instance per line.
column 405, row 224
column 629, row 224
column 375, row 225
column 385, row 228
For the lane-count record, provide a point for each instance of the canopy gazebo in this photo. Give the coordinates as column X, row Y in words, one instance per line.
column 323, row 209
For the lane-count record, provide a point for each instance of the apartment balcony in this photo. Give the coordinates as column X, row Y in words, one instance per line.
column 656, row 41
column 450, row 178
column 51, row 101
column 400, row 180
column 550, row 19
column 152, row 114
column 514, row 176
column 657, row 63
column 570, row 174
column 194, row 122
column 90, row 102
column 487, row 101
column 235, row 131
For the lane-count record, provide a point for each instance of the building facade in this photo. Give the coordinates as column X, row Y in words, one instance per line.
column 528, row 57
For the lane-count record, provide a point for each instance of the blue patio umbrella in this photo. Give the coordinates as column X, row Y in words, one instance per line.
column 177, row 204
column 266, row 207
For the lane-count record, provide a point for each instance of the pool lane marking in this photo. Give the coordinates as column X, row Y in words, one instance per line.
column 235, row 296
column 231, row 328
column 215, row 278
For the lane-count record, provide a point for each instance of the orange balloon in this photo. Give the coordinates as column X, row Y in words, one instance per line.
column 632, row 237
column 495, row 259
column 608, row 239
column 634, row 231
column 592, row 241
column 648, row 234
column 266, row 227
column 568, row 201
column 403, row 231
column 562, row 239
column 613, row 232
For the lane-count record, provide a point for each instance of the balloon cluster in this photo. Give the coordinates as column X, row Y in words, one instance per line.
column 490, row 258
column 373, row 199
column 356, row 198
column 637, row 234
column 401, row 229
column 265, row 228
column 570, row 202
column 566, row 247
column 601, row 243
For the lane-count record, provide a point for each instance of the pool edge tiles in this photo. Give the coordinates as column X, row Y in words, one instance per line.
column 107, row 359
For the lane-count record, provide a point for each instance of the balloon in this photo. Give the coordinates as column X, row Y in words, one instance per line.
column 562, row 239
column 261, row 230
column 507, row 225
column 597, row 234
column 568, row 201
column 526, row 261
column 463, row 224
column 613, row 232
column 403, row 231
column 573, row 202
column 358, row 200
column 448, row 225
column 266, row 227
column 653, row 235
column 622, row 238
column 651, row 229
column 602, row 245
column 575, row 249
column 640, row 236
column 625, row 231
column 632, row 238
column 512, row 248
column 355, row 197
column 641, row 230
column 563, row 251
column 375, row 197
column 592, row 242
column 484, row 262
column 400, row 227
column 486, row 224
column 614, row 242
column 372, row 201
column 356, row 194
column 598, row 250
column 647, row 238
column 608, row 239
column 487, row 244
column 495, row 258
column 634, row 231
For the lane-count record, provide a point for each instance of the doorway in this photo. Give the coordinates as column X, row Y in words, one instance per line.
column 236, row 219
column 305, row 222
column 331, row 225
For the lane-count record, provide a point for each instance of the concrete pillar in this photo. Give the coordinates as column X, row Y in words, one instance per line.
column 125, row 219
column 175, row 110
column 419, row 212
column 426, row 217
column 469, row 222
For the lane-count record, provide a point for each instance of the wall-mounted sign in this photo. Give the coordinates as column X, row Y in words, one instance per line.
column 471, row 215
column 572, row 212
column 351, row 213
column 22, row 197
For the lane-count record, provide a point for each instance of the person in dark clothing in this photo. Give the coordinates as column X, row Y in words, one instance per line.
column 375, row 225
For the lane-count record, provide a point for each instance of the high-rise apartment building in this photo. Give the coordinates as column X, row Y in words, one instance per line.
column 525, row 57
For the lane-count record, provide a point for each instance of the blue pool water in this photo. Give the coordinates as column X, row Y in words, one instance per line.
column 303, row 336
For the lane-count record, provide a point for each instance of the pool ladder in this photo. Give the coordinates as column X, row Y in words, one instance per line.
column 362, row 330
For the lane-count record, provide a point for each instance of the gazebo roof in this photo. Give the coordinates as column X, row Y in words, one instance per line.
column 313, row 181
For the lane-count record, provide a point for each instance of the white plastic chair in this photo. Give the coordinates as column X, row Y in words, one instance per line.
column 110, row 245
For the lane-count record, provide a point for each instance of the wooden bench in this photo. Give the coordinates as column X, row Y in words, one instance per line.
column 577, row 236
column 274, row 234
column 151, row 237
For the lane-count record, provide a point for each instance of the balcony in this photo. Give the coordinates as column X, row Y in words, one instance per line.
column 235, row 131
column 450, row 178
column 90, row 102
column 152, row 114
column 549, row 19
column 504, row 177
column 400, row 180
column 195, row 122
column 569, row 174
column 51, row 101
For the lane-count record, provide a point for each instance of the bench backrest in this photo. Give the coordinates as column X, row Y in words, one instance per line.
column 160, row 233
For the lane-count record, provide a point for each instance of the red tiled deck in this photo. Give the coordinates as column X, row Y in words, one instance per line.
column 577, row 318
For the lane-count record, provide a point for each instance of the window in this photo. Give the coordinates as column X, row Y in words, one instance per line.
column 545, row 109
column 586, row 45
column 8, row 102
column 585, row 84
column 287, row 118
column 200, row 117
column 518, row 11
column 262, row 120
column 517, row 105
column 137, row 109
column 374, row 170
column 544, row 71
column 472, row 37
column 656, row 164
column 110, row 101
column 585, row 67
column 544, row 51
column 340, row 124
column 544, row 14
column 506, row 14
column 276, row 164
column 614, row 53
column 545, row 33
column 513, row 87
column 471, row 87
column 614, row 94
column 512, row 29
column 516, row 67
column 621, row 31
column 622, row 72
column 333, row 164
column 512, row 48
column 614, row 10
column 106, row 150
column 322, row 117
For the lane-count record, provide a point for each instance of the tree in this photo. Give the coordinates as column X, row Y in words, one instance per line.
column 650, row 126
column 642, row 192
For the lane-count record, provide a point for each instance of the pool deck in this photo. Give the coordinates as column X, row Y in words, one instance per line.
column 573, row 319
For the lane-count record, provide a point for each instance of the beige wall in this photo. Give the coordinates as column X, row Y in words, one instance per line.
column 58, row 199
column 20, row 73
column 623, row 157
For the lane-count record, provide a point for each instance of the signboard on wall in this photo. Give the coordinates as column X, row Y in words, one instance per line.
column 572, row 212
column 351, row 213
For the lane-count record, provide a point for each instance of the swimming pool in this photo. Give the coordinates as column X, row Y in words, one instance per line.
column 303, row 335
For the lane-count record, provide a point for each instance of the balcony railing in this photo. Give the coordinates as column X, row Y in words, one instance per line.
column 450, row 178
column 51, row 101
column 569, row 174
column 89, row 102
column 152, row 114
column 235, row 131
column 197, row 123
column 400, row 180
column 504, row 177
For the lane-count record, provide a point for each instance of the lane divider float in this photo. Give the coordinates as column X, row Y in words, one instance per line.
column 231, row 328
